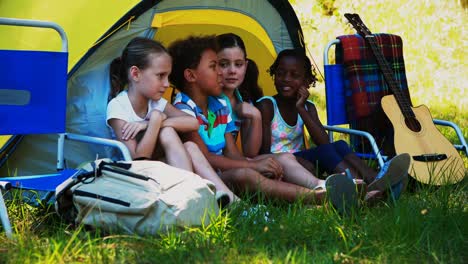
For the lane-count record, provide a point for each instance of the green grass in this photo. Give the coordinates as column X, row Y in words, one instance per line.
column 428, row 226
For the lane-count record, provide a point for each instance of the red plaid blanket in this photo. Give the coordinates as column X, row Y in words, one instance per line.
column 365, row 85
column 364, row 81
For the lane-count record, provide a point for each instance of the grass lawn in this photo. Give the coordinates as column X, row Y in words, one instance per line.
column 427, row 226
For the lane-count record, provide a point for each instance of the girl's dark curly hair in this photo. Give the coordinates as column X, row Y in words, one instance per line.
column 186, row 54
column 310, row 75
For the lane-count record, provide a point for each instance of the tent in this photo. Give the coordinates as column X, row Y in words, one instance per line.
column 267, row 27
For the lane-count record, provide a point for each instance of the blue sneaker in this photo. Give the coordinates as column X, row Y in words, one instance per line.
column 393, row 176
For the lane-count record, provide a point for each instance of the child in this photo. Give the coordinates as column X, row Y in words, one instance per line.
column 239, row 78
column 144, row 121
column 196, row 74
column 285, row 114
column 240, row 82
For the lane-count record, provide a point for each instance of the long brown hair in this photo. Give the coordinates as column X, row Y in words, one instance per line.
column 249, row 88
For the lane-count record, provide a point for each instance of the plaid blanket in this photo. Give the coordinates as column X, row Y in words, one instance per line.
column 365, row 84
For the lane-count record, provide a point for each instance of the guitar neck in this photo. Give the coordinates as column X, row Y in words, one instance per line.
column 403, row 102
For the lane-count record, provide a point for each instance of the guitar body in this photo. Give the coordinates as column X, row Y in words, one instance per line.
column 434, row 160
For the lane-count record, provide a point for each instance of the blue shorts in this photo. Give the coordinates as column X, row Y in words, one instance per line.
column 327, row 156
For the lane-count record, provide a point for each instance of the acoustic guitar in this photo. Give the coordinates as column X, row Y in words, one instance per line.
column 434, row 159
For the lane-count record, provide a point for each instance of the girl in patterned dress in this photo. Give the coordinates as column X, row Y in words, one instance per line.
column 285, row 115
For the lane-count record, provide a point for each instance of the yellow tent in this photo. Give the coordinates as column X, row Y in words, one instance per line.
column 84, row 21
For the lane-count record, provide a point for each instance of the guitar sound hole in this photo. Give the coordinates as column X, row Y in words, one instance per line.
column 413, row 124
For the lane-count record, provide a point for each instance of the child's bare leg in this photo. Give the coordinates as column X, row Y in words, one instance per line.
column 250, row 180
column 174, row 150
column 295, row 173
column 204, row 169
column 308, row 165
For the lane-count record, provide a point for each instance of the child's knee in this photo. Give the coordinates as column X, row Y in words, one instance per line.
column 340, row 144
column 285, row 157
column 191, row 147
column 342, row 147
column 167, row 135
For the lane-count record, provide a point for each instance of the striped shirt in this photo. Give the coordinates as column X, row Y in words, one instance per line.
column 235, row 118
column 212, row 127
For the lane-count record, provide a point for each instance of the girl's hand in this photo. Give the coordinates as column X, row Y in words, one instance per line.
column 131, row 129
column 302, row 95
column 246, row 110
column 269, row 167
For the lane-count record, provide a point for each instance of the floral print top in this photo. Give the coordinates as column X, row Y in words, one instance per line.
column 285, row 138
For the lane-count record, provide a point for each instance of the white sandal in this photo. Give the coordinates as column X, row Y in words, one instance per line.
column 222, row 199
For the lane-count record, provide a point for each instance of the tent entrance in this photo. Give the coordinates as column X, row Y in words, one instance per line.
column 173, row 25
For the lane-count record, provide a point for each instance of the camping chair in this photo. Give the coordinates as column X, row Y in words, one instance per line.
column 33, row 96
column 348, row 100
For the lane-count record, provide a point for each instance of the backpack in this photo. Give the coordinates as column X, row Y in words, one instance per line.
column 141, row 197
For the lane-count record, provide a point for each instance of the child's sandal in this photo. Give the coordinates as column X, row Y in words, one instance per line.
column 222, row 199
column 342, row 192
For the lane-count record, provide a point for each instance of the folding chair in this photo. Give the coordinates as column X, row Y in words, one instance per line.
column 343, row 97
column 33, row 93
